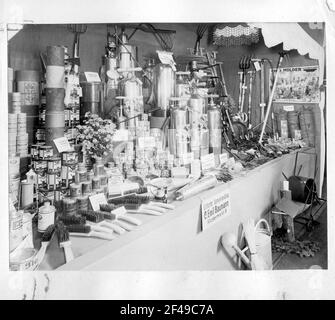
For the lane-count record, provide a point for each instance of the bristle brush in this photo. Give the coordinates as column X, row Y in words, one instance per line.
column 114, row 216
column 45, row 240
column 86, row 231
column 64, row 241
column 97, row 220
column 67, row 219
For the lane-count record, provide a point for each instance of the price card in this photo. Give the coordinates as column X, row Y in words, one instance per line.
column 92, row 77
column 215, row 208
column 121, row 135
column 223, row 158
column 96, row 200
column 146, row 142
column 119, row 211
column 257, row 66
column 207, row 162
column 289, row 108
column 180, row 172
column 62, row 144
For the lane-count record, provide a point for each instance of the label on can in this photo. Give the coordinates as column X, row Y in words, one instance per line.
column 45, row 220
column 30, row 92
column 54, row 165
column 53, row 181
column 45, row 152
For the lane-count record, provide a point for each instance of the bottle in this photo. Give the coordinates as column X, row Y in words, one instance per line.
column 46, row 216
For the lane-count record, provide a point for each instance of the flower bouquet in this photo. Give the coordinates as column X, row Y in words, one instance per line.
column 96, row 136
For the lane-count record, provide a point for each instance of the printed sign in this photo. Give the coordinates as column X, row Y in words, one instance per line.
column 207, row 162
column 283, row 129
column 166, row 58
column 92, row 77
column 96, row 200
column 119, row 211
column 289, row 108
column 62, row 144
column 215, row 208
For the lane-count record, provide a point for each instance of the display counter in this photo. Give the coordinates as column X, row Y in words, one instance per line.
column 175, row 240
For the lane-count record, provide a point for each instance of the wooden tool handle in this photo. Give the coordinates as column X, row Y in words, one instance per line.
column 68, row 251
column 131, row 220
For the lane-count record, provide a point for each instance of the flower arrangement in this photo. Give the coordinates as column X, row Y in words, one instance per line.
column 96, row 135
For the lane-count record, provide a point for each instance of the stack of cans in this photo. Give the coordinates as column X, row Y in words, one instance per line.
column 22, row 135
column 12, row 133
column 16, row 102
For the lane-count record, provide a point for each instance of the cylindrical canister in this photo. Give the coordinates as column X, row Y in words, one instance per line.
column 55, row 99
column 55, row 77
column 54, row 165
column 45, row 152
column 282, row 124
column 27, row 82
column 75, row 190
column 46, row 216
column 69, row 158
column 69, row 206
column 86, row 188
column 215, row 131
column 27, row 193
column 96, row 183
column 54, row 181
column 164, row 86
column 82, row 203
column 14, row 166
column 55, row 55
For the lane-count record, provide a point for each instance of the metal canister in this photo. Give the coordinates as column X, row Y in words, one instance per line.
column 34, row 151
column 69, row 158
column 214, row 127
column 96, row 183
column 25, row 259
column 54, row 181
column 69, row 206
column 75, row 190
column 40, row 135
column 82, row 203
column 45, row 152
column 164, row 87
column 54, row 165
column 86, row 188
column 46, row 216
column 41, row 180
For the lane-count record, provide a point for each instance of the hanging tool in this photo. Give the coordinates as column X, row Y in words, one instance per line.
column 262, row 85
column 77, row 29
column 281, row 56
column 251, row 77
column 243, row 65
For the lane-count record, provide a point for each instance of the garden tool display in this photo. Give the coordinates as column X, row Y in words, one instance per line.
column 243, row 65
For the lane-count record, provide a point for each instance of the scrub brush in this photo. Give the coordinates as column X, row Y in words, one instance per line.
column 129, row 199
column 97, row 219
column 256, row 261
column 87, row 231
column 45, row 240
column 107, row 207
column 67, row 219
column 64, row 241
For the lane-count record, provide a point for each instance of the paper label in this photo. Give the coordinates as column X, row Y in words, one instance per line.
column 96, row 200
column 92, row 77
column 257, row 66
column 62, row 144
column 283, row 129
column 207, row 162
column 121, row 135
column 196, row 168
column 289, row 108
column 223, row 158
column 166, row 58
column 179, row 172
column 215, row 208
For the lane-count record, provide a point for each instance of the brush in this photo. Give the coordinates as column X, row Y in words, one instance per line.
column 144, row 209
column 119, row 214
column 87, row 231
column 107, row 207
column 45, row 240
column 228, row 240
column 129, row 199
column 97, row 220
column 64, row 241
column 67, row 219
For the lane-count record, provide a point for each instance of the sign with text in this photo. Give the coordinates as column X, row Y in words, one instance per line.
column 215, row 209
column 207, row 162
column 96, row 200
column 62, row 144
column 288, row 108
column 92, row 77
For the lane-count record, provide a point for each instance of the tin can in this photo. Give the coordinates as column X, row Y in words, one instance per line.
column 40, row 166
column 53, row 181
column 40, row 135
column 54, row 165
column 69, row 158
column 25, row 259
column 96, row 183
column 34, row 151
column 45, row 152
column 82, row 203
column 46, row 216
column 41, row 180
column 15, row 228
column 215, row 132
column 75, row 190
column 86, row 188
column 69, row 206
column 67, row 176
column 103, row 180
